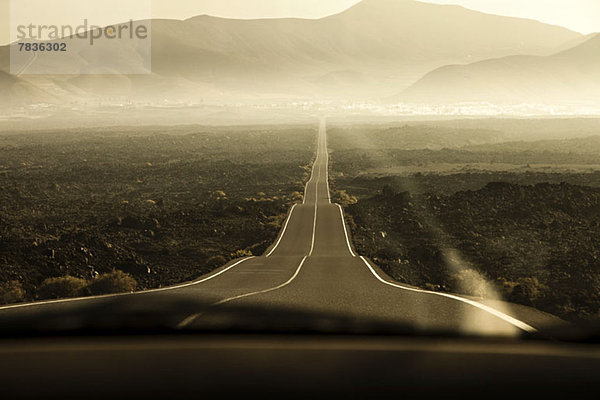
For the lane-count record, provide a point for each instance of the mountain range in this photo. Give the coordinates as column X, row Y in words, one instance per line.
column 376, row 49
column 568, row 77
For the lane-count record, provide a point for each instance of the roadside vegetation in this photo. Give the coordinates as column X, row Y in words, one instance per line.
column 115, row 210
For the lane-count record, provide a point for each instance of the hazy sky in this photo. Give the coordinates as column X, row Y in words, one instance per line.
column 579, row 15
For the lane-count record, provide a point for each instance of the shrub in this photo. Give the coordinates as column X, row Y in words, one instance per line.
column 114, row 282
column 61, row 287
column 241, row 254
column 11, row 292
column 297, row 196
column 527, row 291
column 216, row 261
column 219, row 194
column 343, row 198
column 432, row 287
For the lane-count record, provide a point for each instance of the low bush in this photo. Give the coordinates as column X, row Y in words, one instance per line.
column 114, row 282
column 524, row 290
column 241, row 254
column 11, row 292
column 343, row 198
column 216, row 261
column 61, row 287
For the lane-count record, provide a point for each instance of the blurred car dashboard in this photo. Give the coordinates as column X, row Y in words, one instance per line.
column 293, row 366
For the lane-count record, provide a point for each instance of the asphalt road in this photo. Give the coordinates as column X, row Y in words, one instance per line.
column 311, row 268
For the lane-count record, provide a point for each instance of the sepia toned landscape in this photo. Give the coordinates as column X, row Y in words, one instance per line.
column 162, row 206
column 463, row 163
column 341, row 199
column 473, row 212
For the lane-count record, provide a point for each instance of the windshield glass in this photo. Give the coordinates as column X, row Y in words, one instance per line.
column 375, row 166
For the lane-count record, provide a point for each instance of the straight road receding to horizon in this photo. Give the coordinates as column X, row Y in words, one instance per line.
column 313, row 268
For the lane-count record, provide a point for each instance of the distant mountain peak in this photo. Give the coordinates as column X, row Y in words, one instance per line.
column 588, row 48
column 568, row 77
column 373, row 49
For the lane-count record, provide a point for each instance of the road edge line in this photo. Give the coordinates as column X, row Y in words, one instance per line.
column 188, row 320
column 346, row 230
column 282, row 231
column 106, row 296
column 499, row 314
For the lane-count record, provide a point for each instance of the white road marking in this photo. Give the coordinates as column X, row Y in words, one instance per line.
column 312, row 172
column 314, row 232
column 106, row 296
column 193, row 317
column 265, row 290
column 340, row 208
column 507, row 318
column 346, row 231
column 283, row 231
column 327, row 176
column 308, row 183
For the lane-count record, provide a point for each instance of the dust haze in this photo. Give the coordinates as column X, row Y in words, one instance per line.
column 378, row 58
